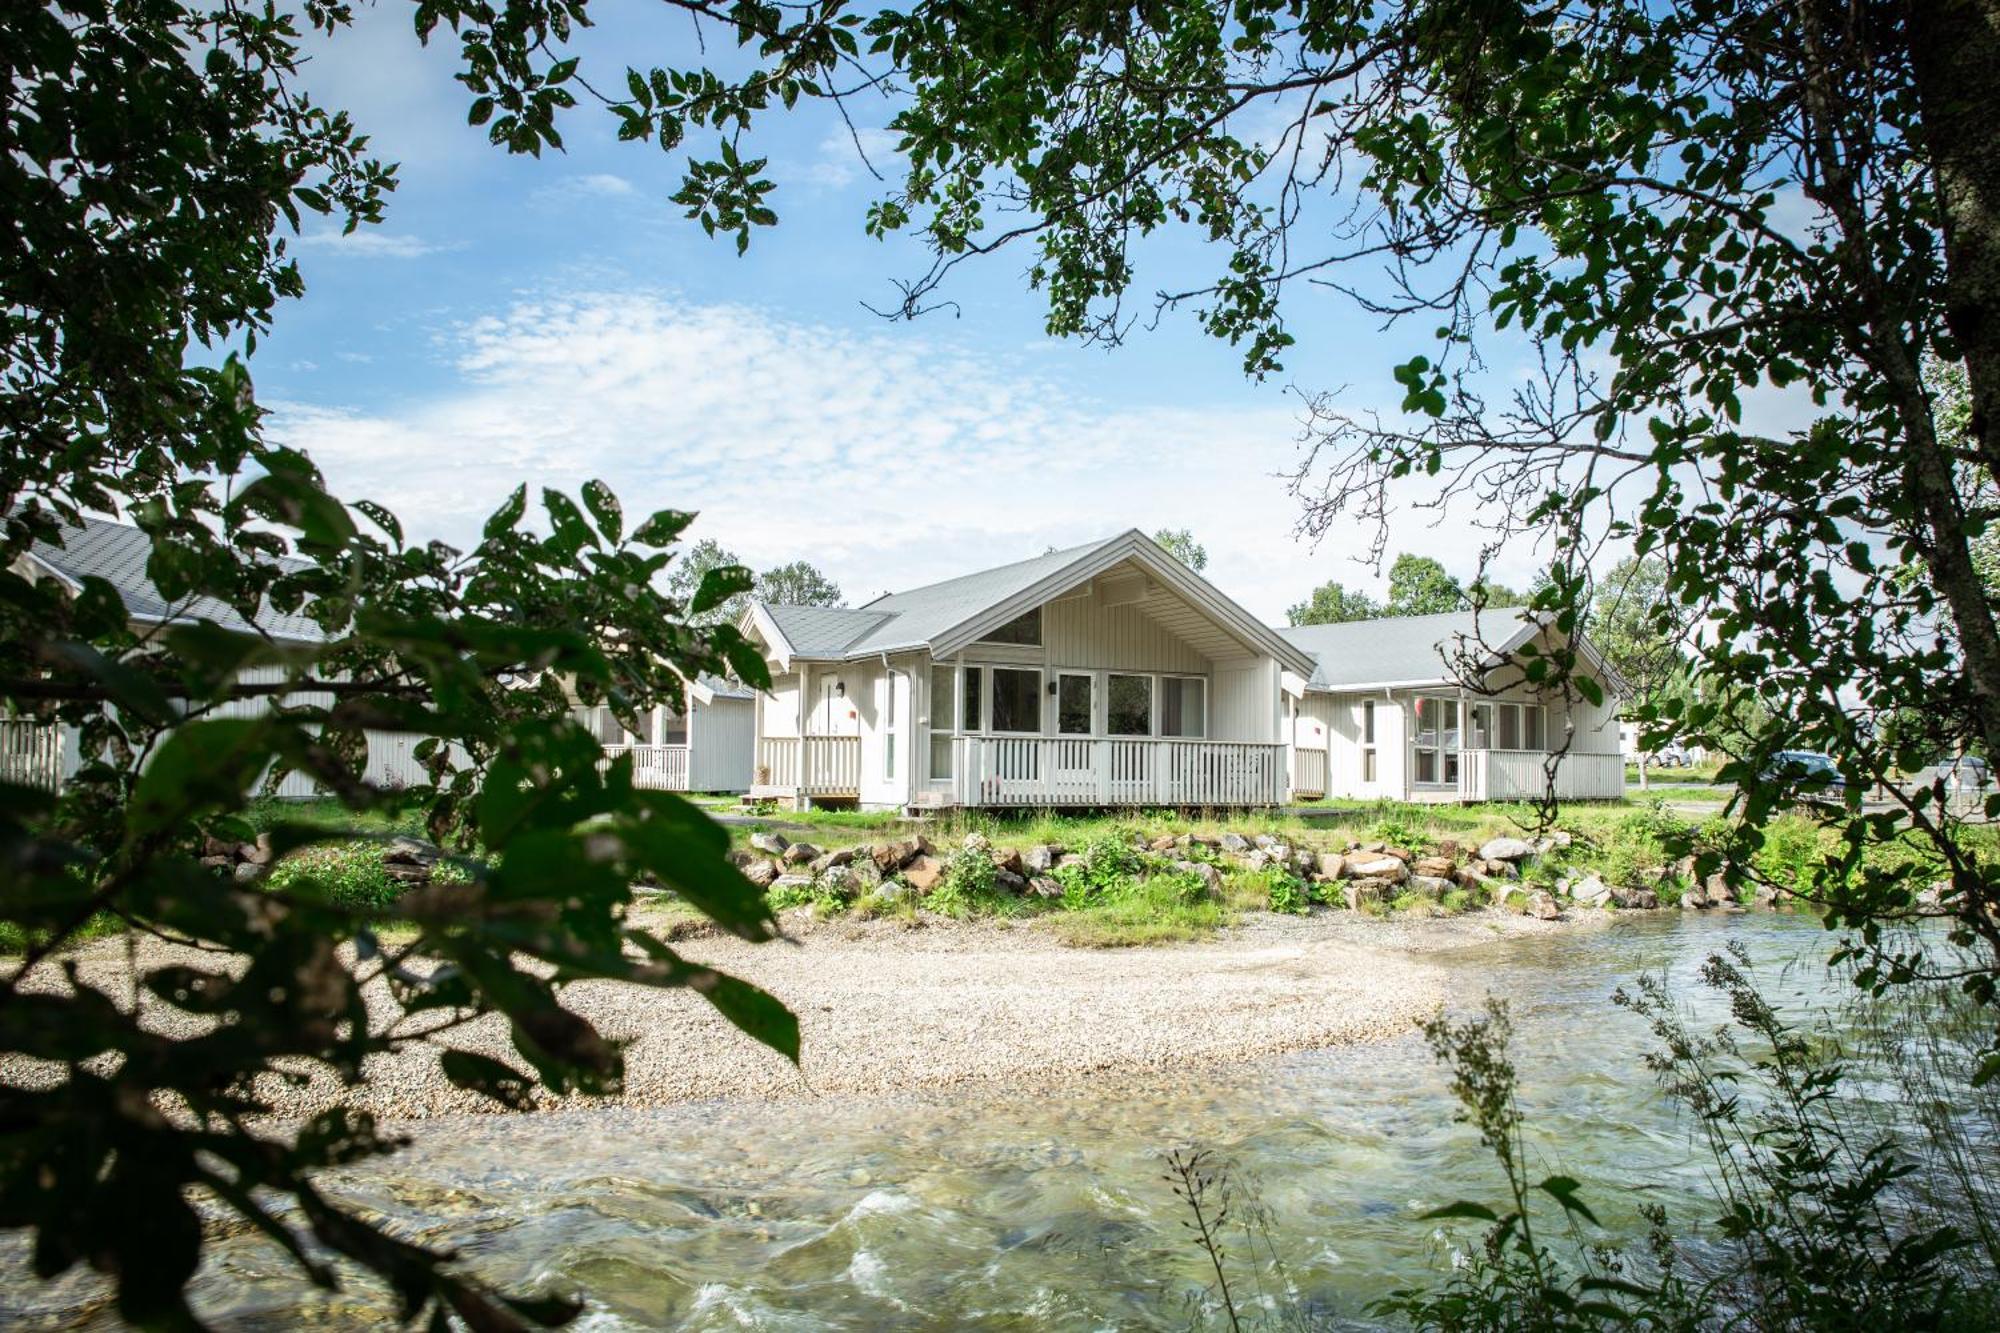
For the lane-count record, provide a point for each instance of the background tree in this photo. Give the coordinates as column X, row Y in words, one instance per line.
column 1419, row 586
column 1333, row 604
column 1633, row 623
column 1180, row 543
column 798, row 584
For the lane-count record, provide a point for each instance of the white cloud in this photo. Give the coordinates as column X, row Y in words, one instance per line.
column 888, row 460
column 839, row 163
column 367, row 244
column 595, row 184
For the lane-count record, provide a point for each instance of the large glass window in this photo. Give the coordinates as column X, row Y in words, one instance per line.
column 1510, row 727
column 1128, row 705
column 1017, row 700
column 969, row 718
column 1183, row 706
column 1437, row 739
column 944, row 704
column 1073, row 712
column 1531, row 720
column 1022, row 629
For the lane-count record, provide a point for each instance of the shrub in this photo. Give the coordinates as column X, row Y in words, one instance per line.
column 971, row 886
column 348, row 874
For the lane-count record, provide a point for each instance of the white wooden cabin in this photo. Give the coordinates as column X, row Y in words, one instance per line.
column 706, row 746
column 1109, row 674
column 1387, row 713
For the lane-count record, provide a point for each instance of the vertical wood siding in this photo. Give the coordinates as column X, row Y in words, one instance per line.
column 1083, row 632
column 722, row 745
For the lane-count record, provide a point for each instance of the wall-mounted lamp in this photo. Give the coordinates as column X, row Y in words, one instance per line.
column 840, row 689
column 1052, row 688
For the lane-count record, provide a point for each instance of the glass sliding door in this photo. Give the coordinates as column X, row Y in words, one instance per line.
column 1437, row 741
column 1075, row 710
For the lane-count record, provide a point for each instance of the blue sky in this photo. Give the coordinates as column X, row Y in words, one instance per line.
column 557, row 320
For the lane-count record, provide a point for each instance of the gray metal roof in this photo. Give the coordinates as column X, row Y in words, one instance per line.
column 922, row 614
column 724, row 688
column 821, row 631
column 1399, row 649
column 117, row 553
column 912, row 619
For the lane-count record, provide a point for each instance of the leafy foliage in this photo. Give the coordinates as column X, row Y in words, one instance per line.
column 1333, row 604
column 1180, row 543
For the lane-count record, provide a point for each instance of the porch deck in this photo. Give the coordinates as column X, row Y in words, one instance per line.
column 812, row 767
column 658, row 767
column 1522, row 775
column 1044, row 771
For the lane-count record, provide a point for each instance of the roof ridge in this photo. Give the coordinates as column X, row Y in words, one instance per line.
column 1078, row 549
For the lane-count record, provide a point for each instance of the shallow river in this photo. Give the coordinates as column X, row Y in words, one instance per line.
column 998, row 1210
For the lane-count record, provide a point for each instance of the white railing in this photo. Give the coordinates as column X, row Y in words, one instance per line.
column 660, row 767
column 31, row 753
column 1066, row 770
column 1522, row 775
column 810, row 765
column 1308, row 772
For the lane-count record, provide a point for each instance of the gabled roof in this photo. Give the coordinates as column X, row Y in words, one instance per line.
column 1414, row 650
column 946, row 616
column 117, row 553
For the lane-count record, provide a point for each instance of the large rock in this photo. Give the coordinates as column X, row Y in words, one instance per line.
column 1166, row 842
column 840, row 880
column 783, row 882
column 826, row 861
column 1259, row 859
column 1009, row 860
column 1265, row 842
column 801, row 854
column 1506, row 849
column 977, row 842
column 258, row 853
column 1210, row 877
column 1039, row 859
column 866, row 873
column 761, row 873
column 923, row 873
column 1362, row 893
column 1234, row 843
column 1378, row 867
column 1304, row 863
column 769, row 843
column 1008, row 881
column 1637, row 899
column 1591, row 891
column 1542, row 905
column 1332, row 865
column 1439, row 867
column 1044, row 887
column 1433, row 886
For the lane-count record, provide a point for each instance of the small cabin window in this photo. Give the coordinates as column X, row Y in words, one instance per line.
column 1023, row 629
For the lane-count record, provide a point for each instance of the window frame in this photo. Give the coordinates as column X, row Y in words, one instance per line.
column 1032, row 614
column 947, row 730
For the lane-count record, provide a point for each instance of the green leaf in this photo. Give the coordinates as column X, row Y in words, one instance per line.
column 604, row 507
column 662, row 527
column 508, row 516
column 207, row 765
column 1463, row 1208
column 718, row 585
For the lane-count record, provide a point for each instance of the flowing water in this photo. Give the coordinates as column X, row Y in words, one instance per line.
column 991, row 1209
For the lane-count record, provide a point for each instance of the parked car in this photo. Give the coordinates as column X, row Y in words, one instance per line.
column 1797, row 768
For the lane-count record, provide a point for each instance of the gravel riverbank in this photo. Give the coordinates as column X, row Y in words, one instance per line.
column 885, row 1007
